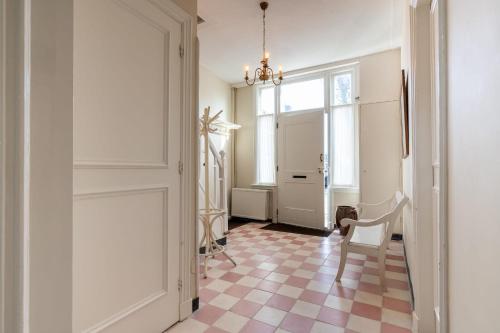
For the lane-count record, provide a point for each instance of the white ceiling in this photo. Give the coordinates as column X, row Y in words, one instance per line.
column 300, row 33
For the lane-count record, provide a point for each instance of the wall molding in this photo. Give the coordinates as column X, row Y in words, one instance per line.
column 84, row 164
column 125, row 312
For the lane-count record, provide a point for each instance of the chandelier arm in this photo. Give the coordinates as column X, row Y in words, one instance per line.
column 276, row 83
column 252, row 82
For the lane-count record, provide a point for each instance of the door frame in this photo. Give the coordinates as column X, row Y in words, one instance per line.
column 56, row 238
column 3, row 248
column 440, row 82
column 422, row 83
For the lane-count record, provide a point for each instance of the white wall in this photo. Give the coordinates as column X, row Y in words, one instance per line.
column 217, row 94
column 380, row 130
column 380, row 126
column 474, row 165
column 244, row 152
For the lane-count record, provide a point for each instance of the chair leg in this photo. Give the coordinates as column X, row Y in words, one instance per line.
column 381, row 270
column 343, row 259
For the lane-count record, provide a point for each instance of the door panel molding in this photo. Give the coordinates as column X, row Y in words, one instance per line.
column 155, row 295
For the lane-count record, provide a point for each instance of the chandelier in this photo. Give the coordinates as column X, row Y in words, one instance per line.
column 264, row 73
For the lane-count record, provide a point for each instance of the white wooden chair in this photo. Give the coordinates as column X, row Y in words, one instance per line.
column 371, row 234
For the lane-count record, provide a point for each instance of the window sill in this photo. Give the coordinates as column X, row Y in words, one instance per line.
column 264, row 185
column 354, row 190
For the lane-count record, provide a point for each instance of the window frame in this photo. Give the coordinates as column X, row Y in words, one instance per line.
column 354, row 70
column 257, row 94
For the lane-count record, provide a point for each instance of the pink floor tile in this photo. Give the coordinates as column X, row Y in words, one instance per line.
column 284, row 270
column 310, row 267
column 388, row 328
column 397, row 269
column 333, row 317
column 297, row 324
column 238, row 291
column 297, row 281
column 370, row 288
column 367, row 311
column 393, row 257
column 231, row 277
column 397, row 305
column 313, row 297
column 281, row 302
column 255, row 326
column 246, row 308
column 208, row 314
column 206, row 295
column 357, row 262
column 259, row 273
column 251, row 245
column 391, row 283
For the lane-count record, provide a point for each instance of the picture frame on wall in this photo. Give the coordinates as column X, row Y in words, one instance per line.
column 405, row 126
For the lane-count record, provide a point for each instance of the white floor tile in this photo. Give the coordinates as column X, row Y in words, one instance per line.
column 231, row 322
column 320, row 327
column 249, row 281
column 397, row 318
column 361, row 324
column 224, row 301
column 290, row 291
column 338, row 303
column 368, row 298
column 270, row 315
column 306, row 309
column 277, row 277
column 258, row 296
column 219, row 285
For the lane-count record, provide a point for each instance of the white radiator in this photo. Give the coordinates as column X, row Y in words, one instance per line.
column 250, row 203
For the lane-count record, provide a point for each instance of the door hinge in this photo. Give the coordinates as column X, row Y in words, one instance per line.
column 277, row 211
column 181, row 51
column 277, row 125
column 277, row 168
column 179, row 284
column 180, row 167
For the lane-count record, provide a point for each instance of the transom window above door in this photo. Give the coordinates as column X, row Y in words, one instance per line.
column 302, row 95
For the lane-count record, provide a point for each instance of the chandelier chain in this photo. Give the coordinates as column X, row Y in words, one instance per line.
column 264, row 33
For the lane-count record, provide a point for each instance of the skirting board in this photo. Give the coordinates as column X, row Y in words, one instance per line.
column 220, row 241
column 195, row 304
column 397, row 237
column 409, row 278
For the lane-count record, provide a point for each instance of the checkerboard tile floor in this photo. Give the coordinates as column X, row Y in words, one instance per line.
column 286, row 283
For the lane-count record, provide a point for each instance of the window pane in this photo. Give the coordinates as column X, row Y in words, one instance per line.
column 304, row 95
column 342, row 89
column 344, row 149
column 265, row 149
column 266, row 105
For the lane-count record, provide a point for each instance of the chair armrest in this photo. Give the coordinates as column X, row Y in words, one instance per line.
column 367, row 210
column 362, row 222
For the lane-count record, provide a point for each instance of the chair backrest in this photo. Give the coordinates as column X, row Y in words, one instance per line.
column 398, row 202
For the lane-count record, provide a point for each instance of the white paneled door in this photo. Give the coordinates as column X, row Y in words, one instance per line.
column 127, row 148
column 300, row 169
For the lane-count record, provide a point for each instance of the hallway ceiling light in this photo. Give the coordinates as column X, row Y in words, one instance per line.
column 264, row 73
